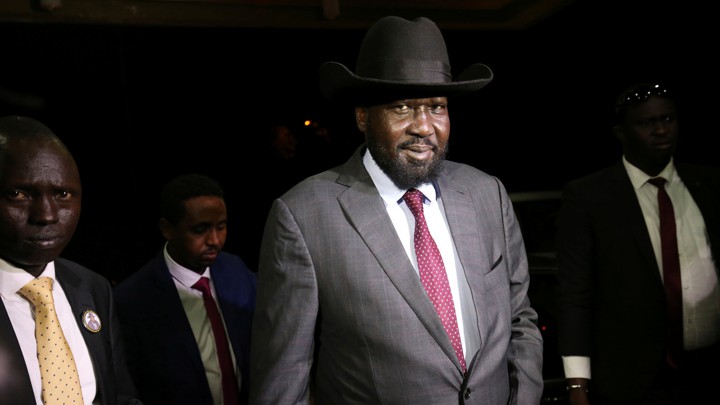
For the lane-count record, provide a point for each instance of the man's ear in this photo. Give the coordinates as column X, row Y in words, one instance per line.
column 618, row 132
column 165, row 228
column 360, row 118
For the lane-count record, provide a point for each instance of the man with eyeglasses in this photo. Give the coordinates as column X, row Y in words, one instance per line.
column 614, row 271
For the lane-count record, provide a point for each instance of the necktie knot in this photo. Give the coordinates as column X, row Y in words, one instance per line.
column 658, row 182
column 38, row 291
column 414, row 200
column 203, row 285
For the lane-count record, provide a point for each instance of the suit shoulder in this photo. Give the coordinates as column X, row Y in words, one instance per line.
column 325, row 179
column 139, row 278
column 457, row 168
column 232, row 259
column 234, row 263
column 595, row 178
column 467, row 174
column 80, row 270
column 702, row 172
column 471, row 179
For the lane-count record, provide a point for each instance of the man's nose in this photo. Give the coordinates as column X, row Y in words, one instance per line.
column 422, row 122
column 44, row 210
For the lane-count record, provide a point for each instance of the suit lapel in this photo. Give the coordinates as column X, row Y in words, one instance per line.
column 81, row 300
column 227, row 296
column 365, row 209
column 16, row 387
column 466, row 227
column 628, row 211
column 168, row 312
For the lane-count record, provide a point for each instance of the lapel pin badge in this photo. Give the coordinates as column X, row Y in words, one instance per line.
column 91, row 321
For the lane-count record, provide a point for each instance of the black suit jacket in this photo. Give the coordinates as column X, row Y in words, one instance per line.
column 84, row 290
column 162, row 353
column 611, row 299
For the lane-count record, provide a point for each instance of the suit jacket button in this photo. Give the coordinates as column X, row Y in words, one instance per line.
column 466, row 394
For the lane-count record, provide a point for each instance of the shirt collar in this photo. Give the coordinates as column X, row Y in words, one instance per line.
column 638, row 178
column 389, row 192
column 13, row 278
column 182, row 274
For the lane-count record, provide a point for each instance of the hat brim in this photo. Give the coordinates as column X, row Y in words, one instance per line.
column 338, row 83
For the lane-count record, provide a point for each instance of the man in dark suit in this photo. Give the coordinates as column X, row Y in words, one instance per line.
column 172, row 348
column 613, row 317
column 339, row 273
column 40, row 201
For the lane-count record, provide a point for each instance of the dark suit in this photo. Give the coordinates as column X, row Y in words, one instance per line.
column 611, row 299
column 332, row 260
column 162, row 352
column 84, row 290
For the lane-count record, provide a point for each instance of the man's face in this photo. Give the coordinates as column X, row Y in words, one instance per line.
column 40, row 194
column 407, row 138
column 198, row 238
column 649, row 132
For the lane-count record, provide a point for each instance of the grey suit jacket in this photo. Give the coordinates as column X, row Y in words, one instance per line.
column 340, row 307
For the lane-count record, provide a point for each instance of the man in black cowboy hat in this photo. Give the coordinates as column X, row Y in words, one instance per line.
column 358, row 301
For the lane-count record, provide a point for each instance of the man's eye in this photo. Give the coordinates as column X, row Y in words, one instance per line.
column 402, row 109
column 63, row 195
column 199, row 230
column 437, row 108
column 17, row 195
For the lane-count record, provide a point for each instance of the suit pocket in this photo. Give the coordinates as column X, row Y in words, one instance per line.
column 496, row 275
column 497, row 263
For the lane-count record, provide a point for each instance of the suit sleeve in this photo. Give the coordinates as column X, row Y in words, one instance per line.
column 574, row 289
column 526, row 345
column 125, row 389
column 282, row 342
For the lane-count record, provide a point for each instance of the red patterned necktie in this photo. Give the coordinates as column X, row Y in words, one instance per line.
column 671, row 272
column 432, row 272
column 231, row 393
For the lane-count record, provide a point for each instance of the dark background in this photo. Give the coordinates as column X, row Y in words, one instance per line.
column 138, row 105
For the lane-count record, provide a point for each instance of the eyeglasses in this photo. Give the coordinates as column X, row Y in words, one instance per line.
column 639, row 94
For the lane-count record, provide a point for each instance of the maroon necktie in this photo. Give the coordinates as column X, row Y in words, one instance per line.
column 231, row 393
column 432, row 272
column 671, row 272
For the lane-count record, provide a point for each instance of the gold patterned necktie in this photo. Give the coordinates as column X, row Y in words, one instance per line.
column 60, row 380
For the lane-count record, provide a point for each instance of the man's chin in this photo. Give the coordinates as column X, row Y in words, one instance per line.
column 412, row 175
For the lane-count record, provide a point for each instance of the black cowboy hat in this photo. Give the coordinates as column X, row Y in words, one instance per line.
column 400, row 58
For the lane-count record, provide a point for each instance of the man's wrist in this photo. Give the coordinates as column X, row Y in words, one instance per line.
column 577, row 387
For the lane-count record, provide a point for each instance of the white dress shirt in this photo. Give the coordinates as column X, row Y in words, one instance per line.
column 700, row 292
column 404, row 223
column 194, row 307
column 22, row 317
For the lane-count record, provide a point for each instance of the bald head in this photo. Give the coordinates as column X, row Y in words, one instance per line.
column 40, row 194
column 18, row 127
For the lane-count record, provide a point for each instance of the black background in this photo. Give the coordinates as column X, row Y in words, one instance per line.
column 138, row 105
